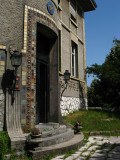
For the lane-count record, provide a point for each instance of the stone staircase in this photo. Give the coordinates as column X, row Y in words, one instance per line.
column 54, row 138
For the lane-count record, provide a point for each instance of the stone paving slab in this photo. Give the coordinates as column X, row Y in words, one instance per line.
column 69, row 158
column 76, row 155
column 97, row 158
column 97, row 155
column 86, row 153
column 116, row 156
column 98, row 148
column 81, row 158
column 59, row 157
column 92, row 148
column 83, row 148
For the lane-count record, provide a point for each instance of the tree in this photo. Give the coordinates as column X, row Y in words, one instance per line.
column 94, row 99
column 107, row 85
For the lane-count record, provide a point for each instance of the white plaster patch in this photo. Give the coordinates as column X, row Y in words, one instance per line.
column 69, row 104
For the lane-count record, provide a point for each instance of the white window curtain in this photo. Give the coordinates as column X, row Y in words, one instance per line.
column 73, row 61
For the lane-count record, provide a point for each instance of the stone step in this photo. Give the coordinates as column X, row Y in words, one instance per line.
column 53, row 132
column 60, row 148
column 47, row 126
column 43, row 142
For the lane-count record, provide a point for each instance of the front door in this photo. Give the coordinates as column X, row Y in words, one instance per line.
column 42, row 79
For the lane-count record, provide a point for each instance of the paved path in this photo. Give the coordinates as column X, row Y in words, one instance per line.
column 97, row 148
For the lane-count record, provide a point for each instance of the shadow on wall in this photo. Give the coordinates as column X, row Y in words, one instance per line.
column 82, row 96
column 8, row 83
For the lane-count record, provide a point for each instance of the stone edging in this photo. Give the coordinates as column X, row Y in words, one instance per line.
column 101, row 132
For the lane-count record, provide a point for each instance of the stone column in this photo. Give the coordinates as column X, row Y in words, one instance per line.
column 13, row 112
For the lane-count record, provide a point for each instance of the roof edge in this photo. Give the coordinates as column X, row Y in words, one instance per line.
column 94, row 3
column 88, row 5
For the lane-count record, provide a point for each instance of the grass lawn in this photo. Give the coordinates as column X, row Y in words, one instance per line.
column 93, row 120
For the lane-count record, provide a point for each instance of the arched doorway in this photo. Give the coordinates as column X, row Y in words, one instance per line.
column 45, row 40
column 40, row 73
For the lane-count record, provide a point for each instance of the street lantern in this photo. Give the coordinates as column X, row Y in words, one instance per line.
column 16, row 59
column 66, row 79
column 67, row 76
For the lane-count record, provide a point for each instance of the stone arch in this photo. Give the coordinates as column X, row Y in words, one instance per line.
column 28, row 102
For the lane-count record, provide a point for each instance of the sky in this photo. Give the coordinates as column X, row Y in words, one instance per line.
column 101, row 27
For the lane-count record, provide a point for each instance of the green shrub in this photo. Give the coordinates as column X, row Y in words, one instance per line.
column 4, row 144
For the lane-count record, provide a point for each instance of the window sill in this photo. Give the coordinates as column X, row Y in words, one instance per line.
column 59, row 8
column 61, row 73
column 73, row 78
column 77, row 79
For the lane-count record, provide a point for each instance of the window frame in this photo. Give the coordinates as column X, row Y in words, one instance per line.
column 74, row 59
column 73, row 8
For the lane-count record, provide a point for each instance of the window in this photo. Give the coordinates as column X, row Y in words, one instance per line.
column 73, row 10
column 74, row 60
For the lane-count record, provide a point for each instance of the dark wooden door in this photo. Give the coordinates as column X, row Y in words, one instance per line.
column 42, row 95
column 42, row 79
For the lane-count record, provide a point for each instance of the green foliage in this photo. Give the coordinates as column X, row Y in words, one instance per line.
column 4, row 144
column 21, row 157
column 105, row 89
column 70, row 152
column 94, row 99
column 5, row 148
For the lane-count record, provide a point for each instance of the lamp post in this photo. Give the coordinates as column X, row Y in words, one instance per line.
column 16, row 60
column 66, row 79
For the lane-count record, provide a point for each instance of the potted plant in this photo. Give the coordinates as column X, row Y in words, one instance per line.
column 35, row 133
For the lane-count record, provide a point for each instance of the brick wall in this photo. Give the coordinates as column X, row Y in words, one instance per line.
column 65, row 12
column 12, row 33
column 80, row 24
column 12, row 18
column 73, row 98
column 81, row 61
column 66, row 56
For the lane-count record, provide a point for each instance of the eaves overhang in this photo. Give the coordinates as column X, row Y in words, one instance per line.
column 87, row 5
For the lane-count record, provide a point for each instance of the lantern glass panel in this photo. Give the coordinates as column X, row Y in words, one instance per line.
column 67, row 77
column 16, row 60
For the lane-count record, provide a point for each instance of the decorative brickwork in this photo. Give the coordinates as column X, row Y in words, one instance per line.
column 32, row 17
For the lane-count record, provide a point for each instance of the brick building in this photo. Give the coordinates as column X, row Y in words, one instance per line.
column 51, row 37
